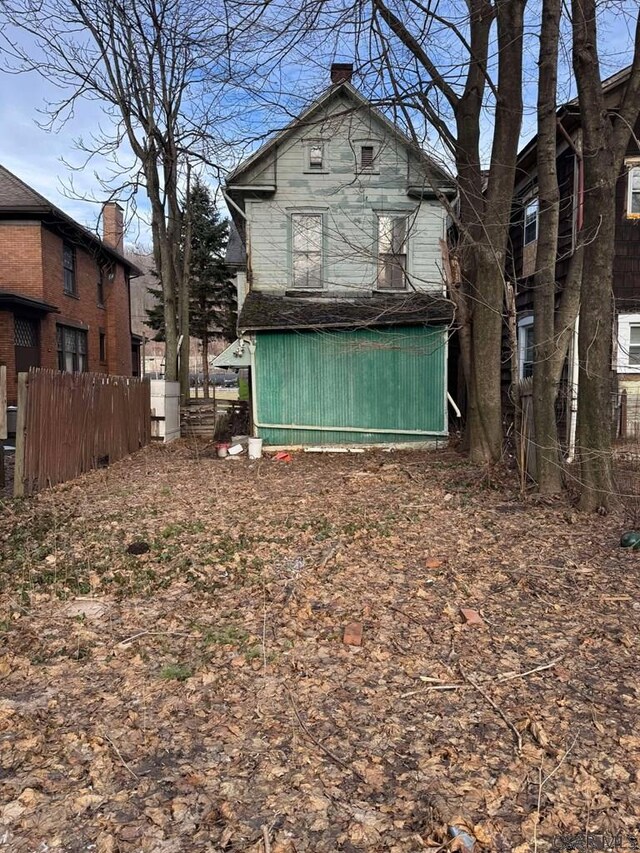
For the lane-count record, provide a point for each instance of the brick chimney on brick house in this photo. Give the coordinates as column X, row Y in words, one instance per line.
column 113, row 225
column 341, row 72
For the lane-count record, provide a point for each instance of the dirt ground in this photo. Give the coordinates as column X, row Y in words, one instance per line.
column 200, row 697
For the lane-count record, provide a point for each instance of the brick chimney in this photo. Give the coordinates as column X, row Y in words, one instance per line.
column 113, row 225
column 341, row 72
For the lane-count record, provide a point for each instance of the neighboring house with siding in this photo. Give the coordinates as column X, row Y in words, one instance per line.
column 626, row 269
column 64, row 293
column 342, row 314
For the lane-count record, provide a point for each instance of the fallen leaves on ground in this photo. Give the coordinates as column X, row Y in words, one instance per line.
column 199, row 696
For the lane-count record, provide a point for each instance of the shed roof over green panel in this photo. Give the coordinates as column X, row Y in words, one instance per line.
column 385, row 383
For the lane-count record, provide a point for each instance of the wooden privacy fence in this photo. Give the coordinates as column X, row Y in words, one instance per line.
column 69, row 423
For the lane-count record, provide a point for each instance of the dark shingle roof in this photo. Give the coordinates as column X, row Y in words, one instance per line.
column 262, row 311
column 236, row 254
column 18, row 197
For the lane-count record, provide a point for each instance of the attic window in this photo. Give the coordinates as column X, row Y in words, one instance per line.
column 315, row 156
column 366, row 157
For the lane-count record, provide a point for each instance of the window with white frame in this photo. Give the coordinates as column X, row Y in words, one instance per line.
column 392, row 252
column 628, row 343
column 306, row 250
column 525, row 347
column 531, row 221
column 633, row 189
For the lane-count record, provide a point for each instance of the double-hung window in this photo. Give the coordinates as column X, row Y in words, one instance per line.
column 392, row 252
column 634, row 346
column 69, row 269
column 306, row 250
column 633, row 190
column 531, row 221
column 72, row 349
column 525, row 347
column 628, row 355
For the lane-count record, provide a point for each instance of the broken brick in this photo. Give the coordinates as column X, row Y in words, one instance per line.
column 353, row 634
column 471, row 617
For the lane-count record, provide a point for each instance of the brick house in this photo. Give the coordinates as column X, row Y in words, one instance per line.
column 64, row 293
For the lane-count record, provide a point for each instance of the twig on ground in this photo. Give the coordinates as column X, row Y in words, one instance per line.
column 264, row 629
column 265, row 838
column 156, row 634
column 320, row 745
column 433, row 687
column 511, row 675
column 541, row 783
column 119, row 754
column 495, row 707
column 412, row 619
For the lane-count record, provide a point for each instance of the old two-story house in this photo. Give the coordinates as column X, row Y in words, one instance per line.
column 626, row 277
column 343, row 318
column 64, row 293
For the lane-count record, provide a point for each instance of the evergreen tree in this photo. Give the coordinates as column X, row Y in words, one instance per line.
column 212, row 293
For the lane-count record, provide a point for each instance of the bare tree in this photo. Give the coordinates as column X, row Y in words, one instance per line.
column 544, row 381
column 441, row 87
column 606, row 135
column 159, row 69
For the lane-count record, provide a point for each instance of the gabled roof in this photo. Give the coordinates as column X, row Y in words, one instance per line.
column 568, row 115
column 18, row 198
column 334, row 91
column 236, row 254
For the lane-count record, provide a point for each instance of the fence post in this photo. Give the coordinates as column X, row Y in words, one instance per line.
column 21, row 423
column 623, row 414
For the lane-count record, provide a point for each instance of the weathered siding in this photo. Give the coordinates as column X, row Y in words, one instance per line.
column 365, row 379
column 349, row 201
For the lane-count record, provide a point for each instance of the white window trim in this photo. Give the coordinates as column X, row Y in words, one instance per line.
column 630, row 165
column 523, row 324
column 625, row 322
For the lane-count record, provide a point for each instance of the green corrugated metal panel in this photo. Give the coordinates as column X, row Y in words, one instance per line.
column 291, row 437
column 393, row 379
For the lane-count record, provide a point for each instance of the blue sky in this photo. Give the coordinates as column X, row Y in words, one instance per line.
column 37, row 155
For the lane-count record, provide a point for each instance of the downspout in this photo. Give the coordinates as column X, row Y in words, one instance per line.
column 317, row 428
column 575, row 365
column 573, row 408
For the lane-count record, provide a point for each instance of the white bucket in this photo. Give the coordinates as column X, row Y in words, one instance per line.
column 255, row 448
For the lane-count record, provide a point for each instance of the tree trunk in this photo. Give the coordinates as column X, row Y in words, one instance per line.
column 205, row 364
column 605, row 138
column 485, row 389
column 183, row 277
column 545, row 383
column 595, row 339
column 487, row 216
